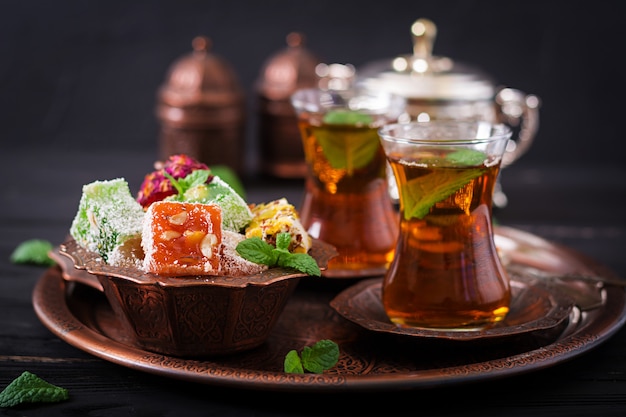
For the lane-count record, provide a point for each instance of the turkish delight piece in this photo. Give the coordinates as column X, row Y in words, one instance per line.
column 279, row 216
column 181, row 238
column 236, row 213
column 109, row 222
column 231, row 263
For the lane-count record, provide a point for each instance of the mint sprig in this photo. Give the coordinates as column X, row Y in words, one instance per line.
column 350, row 144
column 29, row 388
column 195, row 178
column 33, row 251
column 421, row 194
column 257, row 250
column 316, row 359
column 347, row 117
column 466, row 157
column 202, row 176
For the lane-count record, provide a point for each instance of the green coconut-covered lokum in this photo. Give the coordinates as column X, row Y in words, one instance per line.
column 236, row 213
column 109, row 221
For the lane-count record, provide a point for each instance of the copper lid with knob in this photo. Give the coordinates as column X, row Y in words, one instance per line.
column 201, row 107
column 289, row 69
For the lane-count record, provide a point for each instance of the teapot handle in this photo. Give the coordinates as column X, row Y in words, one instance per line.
column 521, row 112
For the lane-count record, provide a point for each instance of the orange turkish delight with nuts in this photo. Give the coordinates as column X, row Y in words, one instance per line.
column 181, row 238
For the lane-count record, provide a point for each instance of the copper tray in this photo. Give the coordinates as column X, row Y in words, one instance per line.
column 82, row 317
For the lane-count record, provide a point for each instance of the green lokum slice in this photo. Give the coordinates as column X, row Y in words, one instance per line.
column 109, row 221
column 236, row 213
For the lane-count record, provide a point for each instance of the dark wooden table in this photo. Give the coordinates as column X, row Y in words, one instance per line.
column 581, row 209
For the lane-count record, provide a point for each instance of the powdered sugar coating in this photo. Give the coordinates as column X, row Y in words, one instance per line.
column 108, row 216
column 231, row 263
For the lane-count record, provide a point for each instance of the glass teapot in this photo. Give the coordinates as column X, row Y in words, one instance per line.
column 438, row 88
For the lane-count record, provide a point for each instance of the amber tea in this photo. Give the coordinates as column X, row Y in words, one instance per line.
column 346, row 200
column 446, row 273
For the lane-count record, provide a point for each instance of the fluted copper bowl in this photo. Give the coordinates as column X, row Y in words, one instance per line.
column 193, row 315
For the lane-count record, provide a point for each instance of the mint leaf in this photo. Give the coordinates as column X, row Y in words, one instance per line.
column 193, row 179
column 257, row 250
column 302, row 262
column 466, row 157
column 293, row 364
column 350, row 144
column 29, row 388
column 420, row 194
column 347, row 117
column 321, row 356
column 348, row 148
column 197, row 177
column 34, row 251
column 175, row 183
column 282, row 241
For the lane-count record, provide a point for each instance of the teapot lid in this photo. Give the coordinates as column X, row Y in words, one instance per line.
column 422, row 75
column 288, row 69
column 200, row 78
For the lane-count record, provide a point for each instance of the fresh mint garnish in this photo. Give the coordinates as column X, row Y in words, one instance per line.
column 29, row 388
column 422, row 193
column 347, row 117
column 351, row 144
column 195, row 178
column 293, row 363
column 34, row 251
column 316, row 359
column 257, row 250
column 203, row 176
column 470, row 157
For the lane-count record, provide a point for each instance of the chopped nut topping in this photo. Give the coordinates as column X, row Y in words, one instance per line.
column 178, row 219
column 169, row 235
column 208, row 242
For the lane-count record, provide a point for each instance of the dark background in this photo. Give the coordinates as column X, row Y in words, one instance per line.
column 84, row 74
column 78, row 83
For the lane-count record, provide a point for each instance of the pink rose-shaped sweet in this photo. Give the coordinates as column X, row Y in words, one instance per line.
column 156, row 186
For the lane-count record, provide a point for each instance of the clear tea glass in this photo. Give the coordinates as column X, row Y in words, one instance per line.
column 346, row 201
column 446, row 273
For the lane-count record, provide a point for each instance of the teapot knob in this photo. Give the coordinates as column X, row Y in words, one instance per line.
column 424, row 32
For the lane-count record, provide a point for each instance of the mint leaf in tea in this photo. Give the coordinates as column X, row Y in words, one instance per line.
column 432, row 179
column 347, row 139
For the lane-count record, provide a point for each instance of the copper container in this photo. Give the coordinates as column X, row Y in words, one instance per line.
column 283, row 73
column 188, row 316
column 202, row 109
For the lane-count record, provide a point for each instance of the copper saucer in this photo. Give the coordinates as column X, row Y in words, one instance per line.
column 534, row 309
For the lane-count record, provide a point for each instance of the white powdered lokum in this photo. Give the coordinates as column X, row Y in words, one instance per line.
column 109, row 222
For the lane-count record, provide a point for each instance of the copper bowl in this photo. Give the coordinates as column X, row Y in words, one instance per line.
column 192, row 315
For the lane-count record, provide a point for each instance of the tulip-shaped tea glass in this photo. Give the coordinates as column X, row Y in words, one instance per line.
column 346, row 201
column 446, row 273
